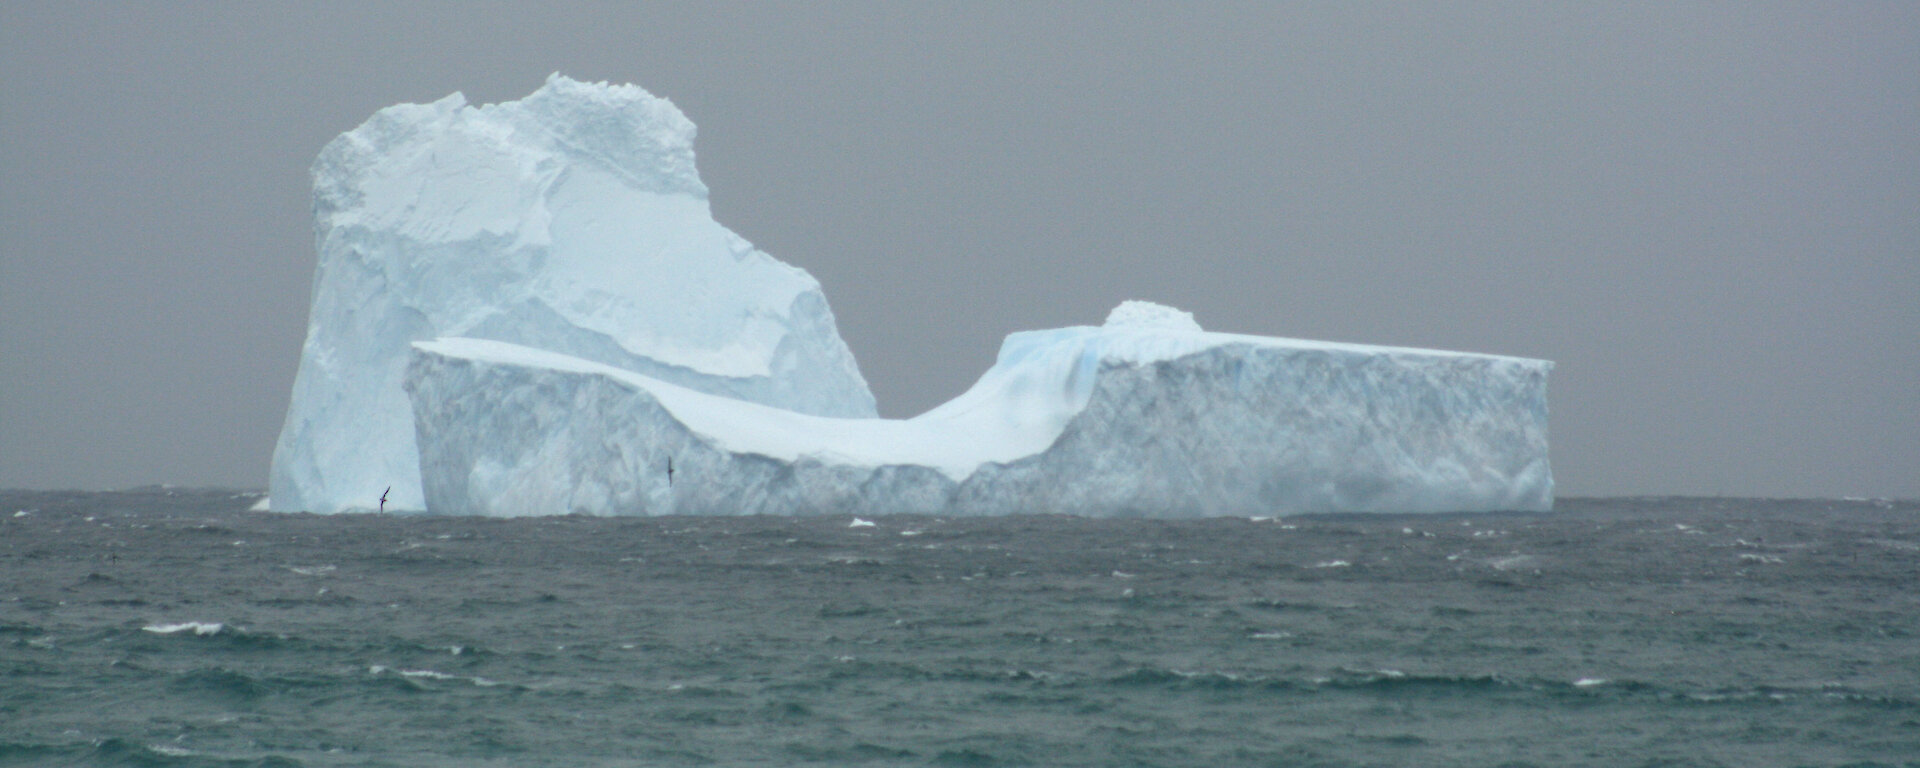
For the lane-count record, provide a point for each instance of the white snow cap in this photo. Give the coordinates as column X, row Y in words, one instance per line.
column 1134, row 313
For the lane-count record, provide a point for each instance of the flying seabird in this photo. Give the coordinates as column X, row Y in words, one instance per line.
column 383, row 498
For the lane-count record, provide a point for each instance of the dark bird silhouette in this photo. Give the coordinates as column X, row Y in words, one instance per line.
column 383, row 498
column 669, row 471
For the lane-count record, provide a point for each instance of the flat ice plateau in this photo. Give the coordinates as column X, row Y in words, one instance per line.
column 1146, row 415
column 527, row 308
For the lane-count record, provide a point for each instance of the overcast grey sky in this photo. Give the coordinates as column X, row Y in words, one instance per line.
column 1708, row 215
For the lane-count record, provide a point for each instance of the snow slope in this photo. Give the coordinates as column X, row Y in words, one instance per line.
column 572, row 220
column 1145, row 415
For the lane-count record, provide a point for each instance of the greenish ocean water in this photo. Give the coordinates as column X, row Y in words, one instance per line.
column 172, row 627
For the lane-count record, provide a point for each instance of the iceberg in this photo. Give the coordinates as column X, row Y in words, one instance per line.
column 527, row 308
column 571, row 221
column 1145, row 415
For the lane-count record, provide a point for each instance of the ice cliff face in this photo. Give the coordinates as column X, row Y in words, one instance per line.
column 571, row 221
column 1146, row 415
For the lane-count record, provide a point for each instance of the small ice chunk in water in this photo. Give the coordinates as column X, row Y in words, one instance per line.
column 859, row 523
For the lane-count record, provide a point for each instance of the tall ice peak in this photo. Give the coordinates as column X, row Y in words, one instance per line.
column 572, row 221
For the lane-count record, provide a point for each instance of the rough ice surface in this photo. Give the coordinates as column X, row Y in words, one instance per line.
column 1146, row 415
column 573, row 221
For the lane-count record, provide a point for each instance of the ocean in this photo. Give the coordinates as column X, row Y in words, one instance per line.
column 172, row 627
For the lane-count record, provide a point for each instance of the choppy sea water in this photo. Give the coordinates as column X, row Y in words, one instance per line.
column 174, row 628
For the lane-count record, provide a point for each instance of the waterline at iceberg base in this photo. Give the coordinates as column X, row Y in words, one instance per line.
column 1139, row 417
